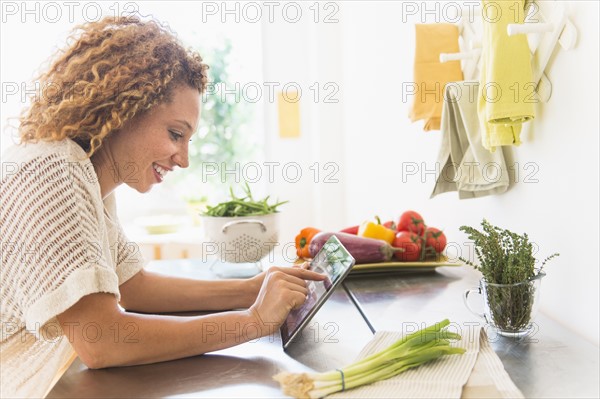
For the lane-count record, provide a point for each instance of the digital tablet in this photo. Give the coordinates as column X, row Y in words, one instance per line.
column 332, row 260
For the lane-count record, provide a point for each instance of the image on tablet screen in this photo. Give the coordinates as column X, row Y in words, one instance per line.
column 333, row 261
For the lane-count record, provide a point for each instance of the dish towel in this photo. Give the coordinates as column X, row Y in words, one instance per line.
column 506, row 90
column 476, row 373
column 466, row 166
column 430, row 75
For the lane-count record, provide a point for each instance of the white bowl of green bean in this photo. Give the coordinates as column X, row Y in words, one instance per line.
column 241, row 229
column 241, row 239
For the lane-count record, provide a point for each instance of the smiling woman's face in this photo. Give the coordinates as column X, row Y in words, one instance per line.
column 148, row 147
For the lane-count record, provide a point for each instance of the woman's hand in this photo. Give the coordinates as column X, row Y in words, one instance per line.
column 283, row 289
column 253, row 284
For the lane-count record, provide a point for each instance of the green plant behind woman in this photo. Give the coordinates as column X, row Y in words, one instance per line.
column 223, row 140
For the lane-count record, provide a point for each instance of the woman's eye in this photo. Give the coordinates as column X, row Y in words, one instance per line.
column 175, row 136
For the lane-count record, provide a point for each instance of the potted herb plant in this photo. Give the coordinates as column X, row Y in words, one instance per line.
column 511, row 281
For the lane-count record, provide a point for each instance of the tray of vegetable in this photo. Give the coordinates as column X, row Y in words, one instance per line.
column 427, row 265
column 406, row 246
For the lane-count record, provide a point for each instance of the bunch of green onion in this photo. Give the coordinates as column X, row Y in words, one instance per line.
column 411, row 351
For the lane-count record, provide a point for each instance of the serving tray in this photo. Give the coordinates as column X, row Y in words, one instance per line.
column 408, row 267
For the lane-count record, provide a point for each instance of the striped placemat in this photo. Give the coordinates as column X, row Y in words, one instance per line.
column 478, row 373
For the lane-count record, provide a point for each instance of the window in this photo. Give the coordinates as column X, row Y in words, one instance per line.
column 229, row 133
column 230, row 129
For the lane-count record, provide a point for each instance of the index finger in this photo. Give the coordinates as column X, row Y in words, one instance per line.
column 303, row 265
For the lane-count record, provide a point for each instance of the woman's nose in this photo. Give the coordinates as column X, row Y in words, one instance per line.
column 181, row 158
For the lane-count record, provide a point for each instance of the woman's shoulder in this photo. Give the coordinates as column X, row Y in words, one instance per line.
column 25, row 152
column 48, row 158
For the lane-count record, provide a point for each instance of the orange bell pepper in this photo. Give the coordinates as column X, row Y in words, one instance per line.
column 303, row 241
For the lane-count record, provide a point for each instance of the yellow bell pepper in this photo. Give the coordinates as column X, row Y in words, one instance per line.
column 377, row 231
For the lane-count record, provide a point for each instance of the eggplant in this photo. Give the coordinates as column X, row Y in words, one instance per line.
column 363, row 249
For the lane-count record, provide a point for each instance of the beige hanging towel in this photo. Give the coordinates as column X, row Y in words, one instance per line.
column 506, row 87
column 430, row 75
column 465, row 165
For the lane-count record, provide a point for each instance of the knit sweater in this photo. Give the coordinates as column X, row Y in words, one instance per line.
column 60, row 242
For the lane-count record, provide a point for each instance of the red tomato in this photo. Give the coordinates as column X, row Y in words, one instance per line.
column 411, row 243
column 411, row 221
column 435, row 239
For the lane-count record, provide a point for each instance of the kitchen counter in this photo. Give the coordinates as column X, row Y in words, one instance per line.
column 551, row 362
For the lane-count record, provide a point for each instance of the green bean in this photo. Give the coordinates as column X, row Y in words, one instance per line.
column 245, row 206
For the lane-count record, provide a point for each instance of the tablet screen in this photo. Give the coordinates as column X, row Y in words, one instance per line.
column 332, row 260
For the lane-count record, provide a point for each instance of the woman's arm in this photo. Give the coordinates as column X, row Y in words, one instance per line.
column 105, row 336
column 155, row 293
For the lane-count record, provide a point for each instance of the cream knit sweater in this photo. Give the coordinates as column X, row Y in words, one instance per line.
column 60, row 242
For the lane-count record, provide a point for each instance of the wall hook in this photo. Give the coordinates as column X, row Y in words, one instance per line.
column 463, row 55
column 528, row 27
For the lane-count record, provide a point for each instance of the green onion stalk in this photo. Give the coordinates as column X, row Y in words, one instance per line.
column 408, row 352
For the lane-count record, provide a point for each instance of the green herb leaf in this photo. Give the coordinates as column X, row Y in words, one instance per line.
column 504, row 257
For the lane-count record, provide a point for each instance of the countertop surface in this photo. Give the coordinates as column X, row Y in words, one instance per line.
column 550, row 362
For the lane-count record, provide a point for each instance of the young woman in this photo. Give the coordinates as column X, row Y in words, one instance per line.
column 119, row 107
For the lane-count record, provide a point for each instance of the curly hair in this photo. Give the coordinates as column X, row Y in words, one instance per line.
column 117, row 68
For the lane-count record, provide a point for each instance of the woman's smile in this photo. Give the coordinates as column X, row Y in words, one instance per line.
column 159, row 172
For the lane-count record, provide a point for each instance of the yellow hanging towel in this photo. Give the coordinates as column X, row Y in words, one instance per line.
column 506, row 87
column 430, row 74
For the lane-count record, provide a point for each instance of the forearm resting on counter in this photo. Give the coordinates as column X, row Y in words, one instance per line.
column 150, row 292
column 120, row 338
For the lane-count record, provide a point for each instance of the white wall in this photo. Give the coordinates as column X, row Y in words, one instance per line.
column 307, row 55
column 559, row 211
